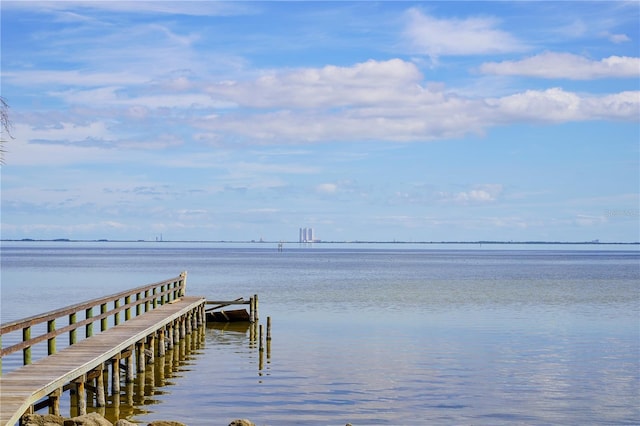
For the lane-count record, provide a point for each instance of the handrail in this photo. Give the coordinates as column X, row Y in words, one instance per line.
column 147, row 297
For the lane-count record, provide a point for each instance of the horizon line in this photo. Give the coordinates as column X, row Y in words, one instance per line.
column 104, row 240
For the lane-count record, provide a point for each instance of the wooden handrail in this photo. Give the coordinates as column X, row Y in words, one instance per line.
column 145, row 298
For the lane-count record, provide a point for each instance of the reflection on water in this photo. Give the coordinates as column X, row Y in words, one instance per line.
column 384, row 336
column 148, row 388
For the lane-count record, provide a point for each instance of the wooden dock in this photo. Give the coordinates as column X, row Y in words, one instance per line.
column 164, row 315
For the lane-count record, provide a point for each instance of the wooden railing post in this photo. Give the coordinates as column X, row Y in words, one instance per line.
column 127, row 311
column 89, row 327
column 73, row 333
column 103, row 322
column 183, row 284
column 26, row 352
column 138, row 304
column 116, row 316
column 51, row 342
column 147, row 298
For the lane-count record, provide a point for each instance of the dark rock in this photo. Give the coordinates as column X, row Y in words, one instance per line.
column 166, row 423
column 242, row 422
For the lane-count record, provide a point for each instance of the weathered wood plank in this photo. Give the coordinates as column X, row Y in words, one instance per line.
column 23, row 387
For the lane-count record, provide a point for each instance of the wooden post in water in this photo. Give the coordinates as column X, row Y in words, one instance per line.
column 140, row 356
column 170, row 336
column 187, row 322
column 255, row 301
column 131, row 367
column 81, row 395
column 100, row 397
column 268, row 328
column 252, row 310
column 161, row 342
column 151, row 343
column 176, row 334
column 115, row 404
column 261, row 344
column 196, row 319
column 54, row 402
column 115, row 375
column 183, row 330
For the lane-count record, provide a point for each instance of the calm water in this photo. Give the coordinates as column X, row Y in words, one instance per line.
column 385, row 335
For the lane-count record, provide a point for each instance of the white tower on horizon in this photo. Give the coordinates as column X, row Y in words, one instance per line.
column 305, row 235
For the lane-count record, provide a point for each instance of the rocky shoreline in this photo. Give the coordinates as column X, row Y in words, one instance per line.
column 95, row 419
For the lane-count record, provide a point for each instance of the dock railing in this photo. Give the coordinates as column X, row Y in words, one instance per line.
column 109, row 310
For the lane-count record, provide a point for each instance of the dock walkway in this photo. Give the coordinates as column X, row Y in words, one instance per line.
column 164, row 316
column 24, row 387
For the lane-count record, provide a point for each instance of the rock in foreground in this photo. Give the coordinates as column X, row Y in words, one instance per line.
column 91, row 419
column 242, row 422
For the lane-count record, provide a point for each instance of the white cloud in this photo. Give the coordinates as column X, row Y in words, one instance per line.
column 557, row 105
column 387, row 101
column 482, row 193
column 471, row 36
column 616, row 38
column 75, row 78
column 372, row 100
column 204, row 8
column 566, row 65
column 327, row 188
column 370, row 82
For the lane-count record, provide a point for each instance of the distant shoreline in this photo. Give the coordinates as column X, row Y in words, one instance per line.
column 65, row 240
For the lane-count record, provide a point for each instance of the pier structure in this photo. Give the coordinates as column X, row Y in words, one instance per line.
column 135, row 327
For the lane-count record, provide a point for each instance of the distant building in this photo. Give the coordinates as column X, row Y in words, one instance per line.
column 306, row 235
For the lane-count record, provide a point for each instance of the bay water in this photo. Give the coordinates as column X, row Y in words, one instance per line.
column 387, row 334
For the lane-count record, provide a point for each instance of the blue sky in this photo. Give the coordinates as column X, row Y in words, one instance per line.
column 414, row 121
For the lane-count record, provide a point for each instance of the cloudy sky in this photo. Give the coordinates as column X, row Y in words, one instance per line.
column 415, row 121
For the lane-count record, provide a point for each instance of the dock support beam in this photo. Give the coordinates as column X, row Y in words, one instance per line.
column 81, row 395
column 115, row 376
column 54, row 402
column 131, row 366
column 161, row 342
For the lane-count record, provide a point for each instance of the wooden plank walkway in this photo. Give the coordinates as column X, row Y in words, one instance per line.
column 22, row 388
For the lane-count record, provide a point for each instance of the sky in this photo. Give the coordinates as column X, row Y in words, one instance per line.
column 376, row 121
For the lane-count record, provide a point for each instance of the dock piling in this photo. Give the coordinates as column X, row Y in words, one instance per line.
column 260, row 339
column 268, row 328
